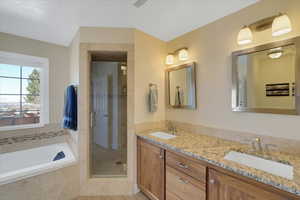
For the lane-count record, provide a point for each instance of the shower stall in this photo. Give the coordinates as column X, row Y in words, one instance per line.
column 108, row 139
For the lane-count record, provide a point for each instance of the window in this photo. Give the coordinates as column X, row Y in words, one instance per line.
column 23, row 91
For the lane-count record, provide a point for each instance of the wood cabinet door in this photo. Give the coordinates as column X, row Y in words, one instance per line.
column 224, row 187
column 151, row 170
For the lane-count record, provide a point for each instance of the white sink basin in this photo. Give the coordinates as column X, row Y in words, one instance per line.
column 163, row 135
column 272, row 167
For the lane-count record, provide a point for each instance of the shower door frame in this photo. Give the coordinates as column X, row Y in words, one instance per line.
column 102, row 186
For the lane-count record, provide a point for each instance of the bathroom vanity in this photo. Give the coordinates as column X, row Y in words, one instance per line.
column 166, row 172
column 188, row 166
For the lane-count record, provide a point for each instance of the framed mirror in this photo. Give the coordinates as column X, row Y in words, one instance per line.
column 266, row 78
column 181, row 86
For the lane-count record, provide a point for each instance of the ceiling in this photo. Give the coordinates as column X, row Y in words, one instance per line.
column 57, row 21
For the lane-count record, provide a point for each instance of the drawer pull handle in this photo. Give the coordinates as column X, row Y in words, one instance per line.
column 183, row 181
column 182, row 165
column 212, row 181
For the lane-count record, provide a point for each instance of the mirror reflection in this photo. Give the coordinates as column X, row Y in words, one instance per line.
column 266, row 80
column 181, row 85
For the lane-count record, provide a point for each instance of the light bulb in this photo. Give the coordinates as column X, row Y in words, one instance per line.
column 245, row 36
column 275, row 53
column 183, row 54
column 170, row 59
column 281, row 25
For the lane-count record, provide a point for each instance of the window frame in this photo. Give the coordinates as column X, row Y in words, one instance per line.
column 43, row 65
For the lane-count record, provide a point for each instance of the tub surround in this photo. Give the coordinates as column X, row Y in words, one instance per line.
column 31, row 162
column 25, row 140
column 41, row 136
column 62, row 184
column 52, row 127
column 57, row 182
column 212, row 150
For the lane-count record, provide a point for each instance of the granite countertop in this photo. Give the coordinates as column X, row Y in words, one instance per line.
column 212, row 150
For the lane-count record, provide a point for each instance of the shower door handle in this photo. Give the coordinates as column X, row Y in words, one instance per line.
column 92, row 119
column 106, row 115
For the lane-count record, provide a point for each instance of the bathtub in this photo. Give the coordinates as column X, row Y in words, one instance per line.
column 23, row 164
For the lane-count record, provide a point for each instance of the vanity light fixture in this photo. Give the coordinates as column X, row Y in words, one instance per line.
column 170, row 59
column 275, row 53
column 183, row 54
column 281, row 25
column 245, row 36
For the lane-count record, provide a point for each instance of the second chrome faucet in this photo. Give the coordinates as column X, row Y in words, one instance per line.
column 259, row 147
column 171, row 128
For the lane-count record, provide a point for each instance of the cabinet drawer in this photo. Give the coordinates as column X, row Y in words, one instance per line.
column 181, row 186
column 171, row 196
column 186, row 166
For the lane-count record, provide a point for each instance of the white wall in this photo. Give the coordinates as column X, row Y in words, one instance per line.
column 149, row 59
column 58, row 67
column 211, row 47
column 74, row 59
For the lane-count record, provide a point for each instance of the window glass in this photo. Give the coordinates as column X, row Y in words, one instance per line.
column 30, row 102
column 31, row 86
column 19, row 95
column 30, row 72
column 9, row 70
column 9, row 103
column 9, row 85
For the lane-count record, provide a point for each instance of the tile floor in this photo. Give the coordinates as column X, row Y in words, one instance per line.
column 105, row 162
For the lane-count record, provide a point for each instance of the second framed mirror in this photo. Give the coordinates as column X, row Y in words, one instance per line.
column 181, row 86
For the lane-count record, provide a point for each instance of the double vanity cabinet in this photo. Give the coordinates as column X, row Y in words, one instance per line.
column 167, row 175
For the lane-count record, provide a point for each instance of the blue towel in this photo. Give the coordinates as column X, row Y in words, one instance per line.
column 59, row 156
column 70, row 112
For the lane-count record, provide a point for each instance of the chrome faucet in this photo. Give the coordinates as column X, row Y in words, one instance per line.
column 258, row 146
column 257, row 143
column 172, row 128
column 267, row 149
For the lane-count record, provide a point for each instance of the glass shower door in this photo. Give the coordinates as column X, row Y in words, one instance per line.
column 109, row 135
